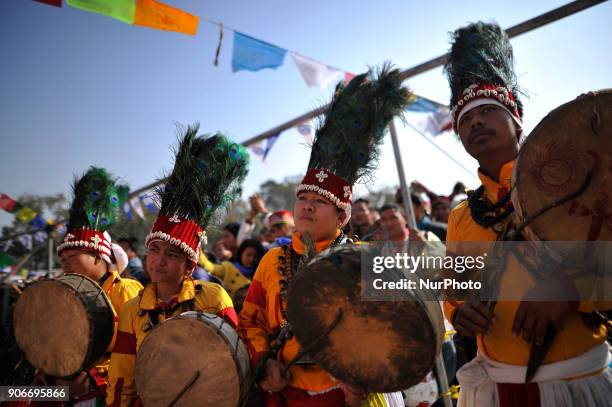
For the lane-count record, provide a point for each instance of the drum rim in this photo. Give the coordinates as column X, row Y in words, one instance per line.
column 190, row 315
column 529, row 140
column 57, row 280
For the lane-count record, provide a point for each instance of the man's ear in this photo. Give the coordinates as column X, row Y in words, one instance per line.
column 342, row 217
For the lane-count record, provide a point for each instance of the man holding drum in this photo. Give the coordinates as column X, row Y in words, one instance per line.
column 87, row 249
column 344, row 150
column 206, row 177
column 487, row 116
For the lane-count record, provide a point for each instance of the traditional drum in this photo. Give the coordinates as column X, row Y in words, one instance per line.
column 63, row 325
column 193, row 359
column 377, row 346
column 568, row 156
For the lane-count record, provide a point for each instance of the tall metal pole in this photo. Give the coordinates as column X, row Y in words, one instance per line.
column 407, row 203
column 406, row 199
column 50, row 255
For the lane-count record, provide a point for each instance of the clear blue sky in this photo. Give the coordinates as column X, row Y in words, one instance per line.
column 81, row 89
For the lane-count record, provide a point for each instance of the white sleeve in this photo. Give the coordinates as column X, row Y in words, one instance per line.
column 245, row 231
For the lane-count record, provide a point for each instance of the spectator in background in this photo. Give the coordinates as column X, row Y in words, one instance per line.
column 134, row 269
column 281, row 227
column 226, row 247
column 423, row 220
column 458, row 189
column 236, row 275
column 362, row 219
column 265, row 237
column 440, row 209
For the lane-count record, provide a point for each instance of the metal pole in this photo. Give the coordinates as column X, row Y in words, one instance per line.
column 50, row 256
column 406, row 199
column 407, row 202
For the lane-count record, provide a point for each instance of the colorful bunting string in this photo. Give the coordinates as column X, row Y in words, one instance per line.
column 153, row 14
column 122, row 10
column 23, row 213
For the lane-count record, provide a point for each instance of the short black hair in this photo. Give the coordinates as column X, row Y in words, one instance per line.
column 388, row 206
column 363, row 201
column 233, row 228
column 131, row 241
column 399, row 199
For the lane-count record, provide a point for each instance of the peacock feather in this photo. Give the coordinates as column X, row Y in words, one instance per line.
column 348, row 138
column 207, row 176
column 97, row 200
column 481, row 54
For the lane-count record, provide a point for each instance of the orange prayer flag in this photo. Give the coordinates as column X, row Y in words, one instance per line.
column 153, row 14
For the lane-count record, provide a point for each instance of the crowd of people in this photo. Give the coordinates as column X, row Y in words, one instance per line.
column 245, row 280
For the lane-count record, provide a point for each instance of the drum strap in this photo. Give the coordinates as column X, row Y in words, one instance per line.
column 184, row 306
column 104, row 278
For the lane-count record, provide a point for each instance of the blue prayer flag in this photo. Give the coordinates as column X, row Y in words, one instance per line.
column 251, row 54
column 423, row 105
column 38, row 222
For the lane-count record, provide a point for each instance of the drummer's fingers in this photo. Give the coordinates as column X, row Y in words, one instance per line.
column 468, row 313
column 471, row 329
column 519, row 319
column 485, row 311
column 529, row 326
column 540, row 331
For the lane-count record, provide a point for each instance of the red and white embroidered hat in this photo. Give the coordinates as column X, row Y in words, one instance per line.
column 96, row 242
column 180, row 232
column 331, row 186
column 478, row 95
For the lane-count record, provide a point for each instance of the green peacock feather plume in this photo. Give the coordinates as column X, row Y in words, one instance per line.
column 207, row 176
column 348, row 139
column 97, row 200
column 481, row 54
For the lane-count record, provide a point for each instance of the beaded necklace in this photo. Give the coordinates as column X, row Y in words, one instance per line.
column 487, row 214
column 290, row 264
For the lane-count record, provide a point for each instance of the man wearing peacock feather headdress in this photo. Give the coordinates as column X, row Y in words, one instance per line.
column 487, row 116
column 87, row 249
column 345, row 149
column 206, row 177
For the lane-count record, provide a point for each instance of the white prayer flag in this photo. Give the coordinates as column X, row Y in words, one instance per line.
column 135, row 204
column 315, row 73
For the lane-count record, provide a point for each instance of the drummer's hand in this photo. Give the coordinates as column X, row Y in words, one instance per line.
column 473, row 318
column 354, row 397
column 78, row 386
column 273, row 380
column 533, row 317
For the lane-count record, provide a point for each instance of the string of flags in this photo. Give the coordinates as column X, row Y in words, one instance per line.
column 248, row 54
column 136, row 205
column 23, row 213
column 27, row 240
column 436, row 120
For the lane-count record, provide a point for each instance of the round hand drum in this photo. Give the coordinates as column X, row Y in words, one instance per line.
column 193, row 359
column 571, row 141
column 63, row 325
column 377, row 346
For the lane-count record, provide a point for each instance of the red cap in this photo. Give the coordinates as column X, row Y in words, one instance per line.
column 182, row 233
column 328, row 185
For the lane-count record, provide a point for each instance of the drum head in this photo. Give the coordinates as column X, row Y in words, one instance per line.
column 570, row 141
column 172, row 354
column 52, row 328
column 377, row 346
